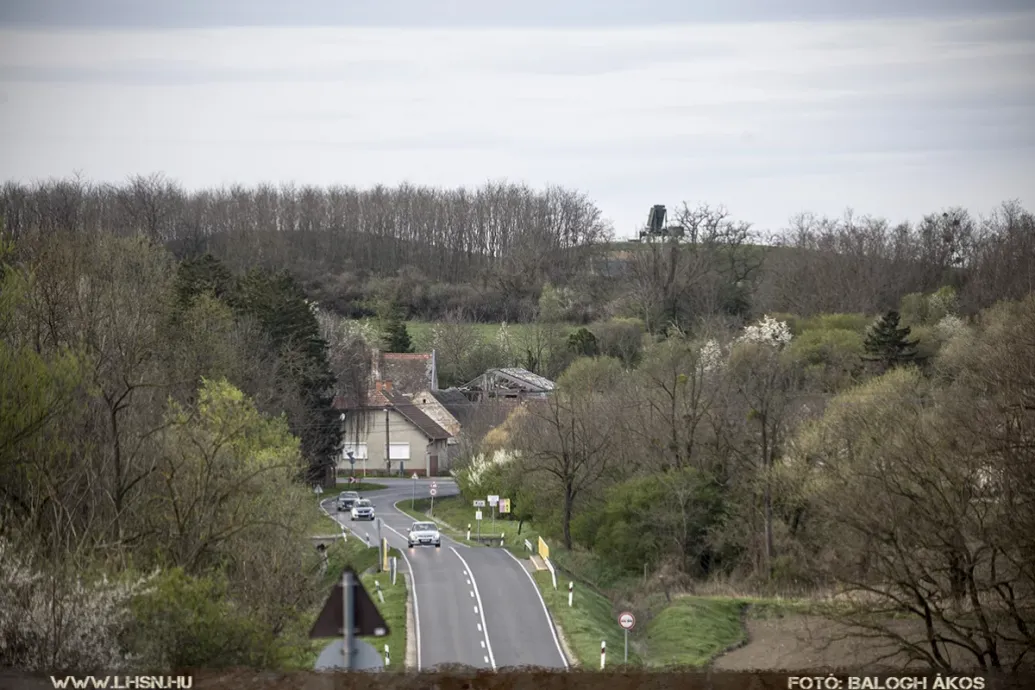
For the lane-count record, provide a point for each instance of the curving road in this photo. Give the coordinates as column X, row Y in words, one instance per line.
column 476, row 606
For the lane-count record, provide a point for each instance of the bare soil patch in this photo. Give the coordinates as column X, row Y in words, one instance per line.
column 797, row 642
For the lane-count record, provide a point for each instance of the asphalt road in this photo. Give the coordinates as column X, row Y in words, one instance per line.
column 476, row 606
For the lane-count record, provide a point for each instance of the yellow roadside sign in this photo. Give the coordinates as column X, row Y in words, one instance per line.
column 544, row 550
column 504, row 505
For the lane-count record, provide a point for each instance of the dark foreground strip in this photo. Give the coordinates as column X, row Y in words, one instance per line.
column 530, row 679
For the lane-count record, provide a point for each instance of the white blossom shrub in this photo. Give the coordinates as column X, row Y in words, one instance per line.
column 473, row 475
column 505, row 342
column 950, row 326
column 48, row 624
column 768, row 331
column 711, row 356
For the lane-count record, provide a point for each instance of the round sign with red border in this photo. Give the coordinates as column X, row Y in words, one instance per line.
column 434, row 491
column 626, row 620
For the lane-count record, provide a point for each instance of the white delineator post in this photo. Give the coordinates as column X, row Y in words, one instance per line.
column 502, row 537
column 603, row 653
column 468, row 531
column 571, row 589
column 387, row 660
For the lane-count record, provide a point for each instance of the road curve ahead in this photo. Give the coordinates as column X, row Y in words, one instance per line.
column 519, row 625
column 447, row 614
column 476, row 606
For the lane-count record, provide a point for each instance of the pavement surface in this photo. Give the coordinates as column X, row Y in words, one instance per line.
column 476, row 606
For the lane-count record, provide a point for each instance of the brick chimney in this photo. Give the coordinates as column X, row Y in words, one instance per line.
column 388, row 385
column 377, row 386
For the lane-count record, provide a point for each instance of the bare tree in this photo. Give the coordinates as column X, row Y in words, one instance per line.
column 570, row 438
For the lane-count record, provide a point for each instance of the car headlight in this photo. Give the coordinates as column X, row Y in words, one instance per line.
column 436, row 537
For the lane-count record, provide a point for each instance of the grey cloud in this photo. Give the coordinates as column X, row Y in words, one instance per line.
column 183, row 73
column 201, row 13
column 605, row 59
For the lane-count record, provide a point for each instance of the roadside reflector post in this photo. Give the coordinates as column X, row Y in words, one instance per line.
column 502, row 538
column 571, row 591
column 468, row 531
column 603, row 653
column 387, row 659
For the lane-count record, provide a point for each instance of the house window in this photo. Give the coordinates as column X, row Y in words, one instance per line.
column 359, row 451
column 399, row 451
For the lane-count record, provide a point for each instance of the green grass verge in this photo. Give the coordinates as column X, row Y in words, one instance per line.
column 361, row 558
column 360, row 486
column 590, row 620
column 692, row 631
column 454, row 513
column 449, row 515
column 394, row 612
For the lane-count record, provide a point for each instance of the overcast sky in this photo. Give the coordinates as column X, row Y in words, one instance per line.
column 892, row 108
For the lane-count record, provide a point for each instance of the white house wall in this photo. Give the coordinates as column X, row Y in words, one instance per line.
column 369, row 428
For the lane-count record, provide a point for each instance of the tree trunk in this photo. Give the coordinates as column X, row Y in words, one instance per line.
column 767, row 499
column 569, row 501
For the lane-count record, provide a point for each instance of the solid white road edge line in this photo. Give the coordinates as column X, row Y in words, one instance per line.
column 546, row 611
column 481, row 609
column 416, row 608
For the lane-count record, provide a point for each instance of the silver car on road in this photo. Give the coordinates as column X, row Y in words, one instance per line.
column 424, row 534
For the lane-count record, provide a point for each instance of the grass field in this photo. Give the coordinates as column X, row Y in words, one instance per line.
column 692, row 631
column 586, row 623
column 421, row 331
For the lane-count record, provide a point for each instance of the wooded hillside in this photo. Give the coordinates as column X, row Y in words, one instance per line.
column 847, row 410
column 488, row 252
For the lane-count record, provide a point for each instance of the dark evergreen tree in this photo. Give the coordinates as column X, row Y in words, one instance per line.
column 889, row 344
column 582, row 342
column 278, row 303
column 203, row 275
column 397, row 337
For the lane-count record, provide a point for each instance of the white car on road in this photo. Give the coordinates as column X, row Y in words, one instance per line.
column 363, row 509
column 424, row 534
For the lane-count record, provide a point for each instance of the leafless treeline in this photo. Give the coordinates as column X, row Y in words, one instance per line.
column 509, row 235
column 864, row 264
column 489, row 251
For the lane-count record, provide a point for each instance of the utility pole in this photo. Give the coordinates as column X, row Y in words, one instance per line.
column 388, row 443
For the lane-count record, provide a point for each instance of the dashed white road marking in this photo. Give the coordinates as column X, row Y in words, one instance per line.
column 479, row 609
column 483, row 644
column 479, row 627
column 472, row 594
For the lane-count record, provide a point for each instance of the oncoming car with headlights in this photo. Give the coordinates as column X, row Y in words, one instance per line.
column 424, row 534
column 363, row 509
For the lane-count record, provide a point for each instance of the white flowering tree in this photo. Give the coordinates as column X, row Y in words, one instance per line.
column 505, row 342
column 482, row 471
column 763, row 374
column 768, row 331
column 50, row 624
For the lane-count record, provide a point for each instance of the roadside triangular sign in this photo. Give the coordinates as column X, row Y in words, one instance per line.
column 331, row 621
